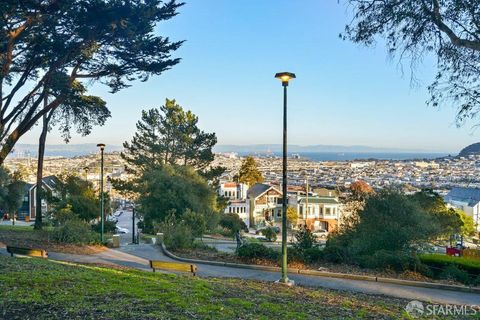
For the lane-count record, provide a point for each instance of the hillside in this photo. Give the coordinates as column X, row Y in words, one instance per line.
column 471, row 149
column 43, row 289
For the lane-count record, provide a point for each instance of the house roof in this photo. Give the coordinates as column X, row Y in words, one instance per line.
column 468, row 195
column 230, row 185
column 258, row 189
column 27, row 187
column 326, row 200
column 51, row 181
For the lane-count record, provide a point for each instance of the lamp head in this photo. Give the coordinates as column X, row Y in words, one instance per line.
column 285, row 77
column 101, row 146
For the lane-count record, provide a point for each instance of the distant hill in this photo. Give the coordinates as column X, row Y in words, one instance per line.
column 61, row 150
column 471, row 149
column 266, row 148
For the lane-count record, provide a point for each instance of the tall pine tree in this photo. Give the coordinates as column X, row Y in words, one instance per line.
column 170, row 135
column 249, row 173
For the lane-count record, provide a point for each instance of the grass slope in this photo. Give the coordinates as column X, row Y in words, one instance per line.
column 42, row 289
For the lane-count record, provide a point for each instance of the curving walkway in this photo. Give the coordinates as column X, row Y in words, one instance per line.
column 137, row 256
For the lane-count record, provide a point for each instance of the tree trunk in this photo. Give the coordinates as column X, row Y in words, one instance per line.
column 41, row 155
column 7, row 147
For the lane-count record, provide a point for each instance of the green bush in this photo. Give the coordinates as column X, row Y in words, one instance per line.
column 108, row 227
column 404, row 222
column 312, row 255
column 179, row 237
column 74, row 231
column 232, row 223
column 270, row 234
column 257, row 251
column 196, row 222
column 452, row 272
column 439, row 262
column 337, row 250
column 176, row 233
column 305, row 239
column 383, row 259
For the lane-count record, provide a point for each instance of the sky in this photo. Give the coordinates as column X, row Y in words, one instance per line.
column 344, row 93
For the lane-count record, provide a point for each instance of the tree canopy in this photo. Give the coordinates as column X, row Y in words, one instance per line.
column 48, row 48
column 170, row 135
column 360, row 190
column 451, row 221
column 174, row 189
column 77, row 195
column 447, row 29
column 249, row 173
column 11, row 191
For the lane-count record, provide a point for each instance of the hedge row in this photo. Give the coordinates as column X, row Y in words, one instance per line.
column 441, row 262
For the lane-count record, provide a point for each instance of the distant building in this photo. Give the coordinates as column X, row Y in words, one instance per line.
column 29, row 205
column 262, row 205
column 321, row 213
column 265, row 204
column 466, row 199
column 238, row 202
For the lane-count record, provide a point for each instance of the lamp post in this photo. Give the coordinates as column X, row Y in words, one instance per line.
column 102, row 214
column 133, row 224
column 284, row 77
column 86, row 173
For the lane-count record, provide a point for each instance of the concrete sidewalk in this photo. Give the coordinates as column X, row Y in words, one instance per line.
column 137, row 256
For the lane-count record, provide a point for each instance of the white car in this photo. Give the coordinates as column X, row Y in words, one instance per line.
column 112, row 218
column 121, row 230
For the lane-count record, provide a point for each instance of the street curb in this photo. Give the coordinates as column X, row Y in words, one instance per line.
column 325, row 274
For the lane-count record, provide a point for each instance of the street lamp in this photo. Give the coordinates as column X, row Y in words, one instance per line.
column 133, row 224
column 284, row 77
column 86, row 173
column 102, row 215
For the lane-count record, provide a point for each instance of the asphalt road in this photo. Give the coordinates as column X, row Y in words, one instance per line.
column 125, row 221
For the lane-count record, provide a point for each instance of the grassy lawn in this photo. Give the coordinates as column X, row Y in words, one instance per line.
column 42, row 289
column 26, row 236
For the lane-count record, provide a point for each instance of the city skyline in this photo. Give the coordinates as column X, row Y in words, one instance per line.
column 344, row 94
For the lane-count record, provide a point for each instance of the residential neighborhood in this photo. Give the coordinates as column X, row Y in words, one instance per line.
column 239, row 160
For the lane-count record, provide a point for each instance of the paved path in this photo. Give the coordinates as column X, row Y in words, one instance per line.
column 137, row 256
column 394, row 290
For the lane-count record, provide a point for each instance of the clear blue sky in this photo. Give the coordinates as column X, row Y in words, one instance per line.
column 344, row 94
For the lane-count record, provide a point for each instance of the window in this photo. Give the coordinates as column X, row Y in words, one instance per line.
column 327, row 211
column 279, row 213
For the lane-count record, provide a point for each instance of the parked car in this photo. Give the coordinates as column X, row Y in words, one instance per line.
column 112, row 218
column 121, row 230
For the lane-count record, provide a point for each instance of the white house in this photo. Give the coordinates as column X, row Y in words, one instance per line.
column 317, row 212
column 466, row 199
column 265, row 204
column 233, row 190
column 238, row 202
